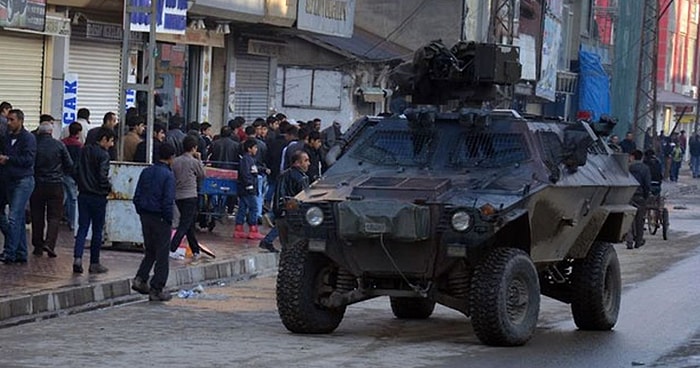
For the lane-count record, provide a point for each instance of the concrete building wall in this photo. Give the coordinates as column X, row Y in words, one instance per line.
column 412, row 23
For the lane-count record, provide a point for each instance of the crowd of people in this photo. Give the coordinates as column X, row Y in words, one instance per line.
column 56, row 178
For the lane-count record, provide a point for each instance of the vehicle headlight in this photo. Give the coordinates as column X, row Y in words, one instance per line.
column 460, row 221
column 314, row 216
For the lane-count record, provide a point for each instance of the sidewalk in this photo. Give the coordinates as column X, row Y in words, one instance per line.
column 46, row 287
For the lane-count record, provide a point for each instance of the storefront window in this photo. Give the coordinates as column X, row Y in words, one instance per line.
column 170, row 82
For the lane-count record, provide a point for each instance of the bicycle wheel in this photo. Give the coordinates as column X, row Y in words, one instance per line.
column 664, row 223
column 653, row 220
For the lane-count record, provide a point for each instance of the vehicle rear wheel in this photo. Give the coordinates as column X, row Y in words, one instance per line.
column 303, row 278
column 505, row 298
column 412, row 308
column 664, row 223
column 597, row 288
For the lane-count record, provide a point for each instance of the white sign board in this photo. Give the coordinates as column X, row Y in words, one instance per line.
column 329, row 17
column 171, row 16
column 70, row 98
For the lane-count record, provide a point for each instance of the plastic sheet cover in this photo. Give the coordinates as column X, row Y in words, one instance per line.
column 594, row 85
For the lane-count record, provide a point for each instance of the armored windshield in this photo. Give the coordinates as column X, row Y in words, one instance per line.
column 448, row 144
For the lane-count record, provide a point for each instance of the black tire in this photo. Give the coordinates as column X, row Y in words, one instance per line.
column 302, row 278
column 505, row 298
column 597, row 288
column 412, row 308
column 664, row 223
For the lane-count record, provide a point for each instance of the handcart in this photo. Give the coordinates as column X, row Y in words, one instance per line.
column 218, row 188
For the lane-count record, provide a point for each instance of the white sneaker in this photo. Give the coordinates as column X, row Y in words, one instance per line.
column 175, row 255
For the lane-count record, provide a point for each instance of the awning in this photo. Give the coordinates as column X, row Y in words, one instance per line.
column 664, row 97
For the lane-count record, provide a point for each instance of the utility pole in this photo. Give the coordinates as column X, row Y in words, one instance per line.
column 697, row 79
column 645, row 102
column 503, row 29
column 465, row 12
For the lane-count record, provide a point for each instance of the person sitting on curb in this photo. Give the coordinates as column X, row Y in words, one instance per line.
column 153, row 199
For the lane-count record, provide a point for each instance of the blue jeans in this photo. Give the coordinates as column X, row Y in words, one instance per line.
column 262, row 184
column 247, row 208
column 271, row 187
column 272, row 235
column 695, row 165
column 91, row 210
column 70, row 199
column 18, row 193
column 675, row 168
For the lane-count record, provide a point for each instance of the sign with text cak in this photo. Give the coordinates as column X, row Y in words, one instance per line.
column 329, row 17
column 171, row 16
column 70, row 98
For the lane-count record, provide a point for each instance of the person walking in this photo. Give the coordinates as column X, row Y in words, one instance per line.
column 94, row 186
column 46, row 203
column 676, row 161
column 189, row 171
column 153, row 200
column 17, row 161
column 640, row 171
column 694, row 148
column 291, row 182
column 70, row 186
column 247, row 187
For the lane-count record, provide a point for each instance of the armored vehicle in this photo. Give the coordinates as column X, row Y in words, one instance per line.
column 479, row 210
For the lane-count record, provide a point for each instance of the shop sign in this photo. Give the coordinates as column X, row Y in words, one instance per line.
column 70, row 98
column 265, row 48
column 28, row 14
column 329, row 17
column 205, row 84
column 57, row 26
column 171, row 16
column 194, row 37
column 103, row 31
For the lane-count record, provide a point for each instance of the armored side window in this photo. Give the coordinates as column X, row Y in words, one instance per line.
column 551, row 147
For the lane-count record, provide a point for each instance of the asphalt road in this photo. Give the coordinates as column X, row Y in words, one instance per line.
column 237, row 325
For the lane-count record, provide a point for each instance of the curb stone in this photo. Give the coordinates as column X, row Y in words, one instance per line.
column 52, row 303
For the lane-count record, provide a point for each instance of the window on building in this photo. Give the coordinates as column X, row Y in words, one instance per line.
column 311, row 88
column 586, row 17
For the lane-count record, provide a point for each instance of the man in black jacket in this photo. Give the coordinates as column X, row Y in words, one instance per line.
column 94, row 186
column 46, row 203
column 640, row 171
column 17, row 161
column 158, row 139
column 291, row 182
column 153, row 199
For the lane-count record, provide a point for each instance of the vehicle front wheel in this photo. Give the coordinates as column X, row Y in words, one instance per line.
column 303, row 278
column 597, row 288
column 505, row 298
column 412, row 308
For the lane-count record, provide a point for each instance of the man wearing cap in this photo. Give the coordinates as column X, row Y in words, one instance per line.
column 52, row 162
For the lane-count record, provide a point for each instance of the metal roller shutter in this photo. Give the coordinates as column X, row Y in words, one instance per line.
column 21, row 73
column 97, row 66
column 252, row 86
